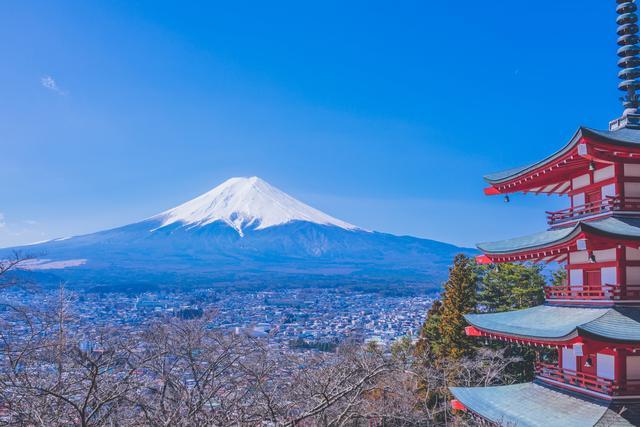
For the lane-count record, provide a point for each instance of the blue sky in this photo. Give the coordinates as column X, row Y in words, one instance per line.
column 384, row 114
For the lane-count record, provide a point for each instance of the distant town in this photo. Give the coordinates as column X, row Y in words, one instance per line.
column 298, row 319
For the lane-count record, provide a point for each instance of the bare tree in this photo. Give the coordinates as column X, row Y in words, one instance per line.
column 52, row 374
column 193, row 375
column 10, row 265
column 175, row 372
column 332, row 390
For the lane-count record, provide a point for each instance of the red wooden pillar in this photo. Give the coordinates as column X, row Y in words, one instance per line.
column 619, row 173
column 560, row 361
column 621, row 270
column 621, row 368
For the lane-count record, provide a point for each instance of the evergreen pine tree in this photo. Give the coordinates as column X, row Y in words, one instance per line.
column 458, row 299
column 430, row 331
column 506, row 287
column 559, row 277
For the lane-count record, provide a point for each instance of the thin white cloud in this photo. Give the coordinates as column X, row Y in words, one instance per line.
column 49, row 83
column 2, row 223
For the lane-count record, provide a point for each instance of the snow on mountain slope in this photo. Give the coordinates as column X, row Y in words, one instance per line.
column 246, row 202
column 243, row 231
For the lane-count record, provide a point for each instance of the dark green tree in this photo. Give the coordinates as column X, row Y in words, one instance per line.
column 559, row 277
column 458, row 299
column 429, row 341
column 506, row 287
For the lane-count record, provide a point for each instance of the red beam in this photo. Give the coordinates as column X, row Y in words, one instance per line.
column 491, row 191
column 483, row 259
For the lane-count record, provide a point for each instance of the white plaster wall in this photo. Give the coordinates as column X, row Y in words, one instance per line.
column 631, row 170
column 633, row 276
column 604, row 173
column 605, row 366
column 609, row 276
column 632, row 189
column 633, row 366
column 576, row 278
column 605, row 255
column 633, row 254
column 568, row 359
column 582, row 257
column 608, row 190
column 581, row 181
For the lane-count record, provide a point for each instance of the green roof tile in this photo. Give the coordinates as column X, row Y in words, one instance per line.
column 557, row 323
column 628, row 228
column 537, row 405
column 544, row 321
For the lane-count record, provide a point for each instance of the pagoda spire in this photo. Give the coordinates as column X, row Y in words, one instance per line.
column 628, row 52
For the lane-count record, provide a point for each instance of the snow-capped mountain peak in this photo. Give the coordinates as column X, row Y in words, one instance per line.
column 246, row 202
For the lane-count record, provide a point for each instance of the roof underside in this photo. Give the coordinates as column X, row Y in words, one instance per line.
column 625, row 228
column 622, row 137
column 555, row 323
column 533, row 404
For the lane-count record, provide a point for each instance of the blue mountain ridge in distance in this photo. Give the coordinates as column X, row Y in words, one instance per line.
column 222, row 240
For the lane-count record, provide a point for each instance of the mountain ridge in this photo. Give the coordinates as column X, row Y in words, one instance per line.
column 243, row 230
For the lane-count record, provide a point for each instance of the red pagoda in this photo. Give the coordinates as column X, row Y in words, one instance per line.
column 592, row 321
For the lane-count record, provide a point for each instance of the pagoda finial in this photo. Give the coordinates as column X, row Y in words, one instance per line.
column 629, row 61
column 628, row 52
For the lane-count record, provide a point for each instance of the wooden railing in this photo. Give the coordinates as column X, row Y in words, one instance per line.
column 624, row 203
column 576, row 379
column 578, row 292
column 608, row 204
column 587, row 381
column 593, row 293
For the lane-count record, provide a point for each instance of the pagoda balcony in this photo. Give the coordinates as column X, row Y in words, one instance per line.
column 593, row 293
column 575, row 379
column 586, row 381
column 606, row 205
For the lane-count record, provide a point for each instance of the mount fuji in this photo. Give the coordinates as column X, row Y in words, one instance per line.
column 244, row 232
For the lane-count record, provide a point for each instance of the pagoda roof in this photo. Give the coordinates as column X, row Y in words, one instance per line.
column 622, row 137
column 618, row 227
column 559, row 324
column 535, row 404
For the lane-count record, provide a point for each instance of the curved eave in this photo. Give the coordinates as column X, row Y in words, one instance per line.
column 556, row 324
column 535, row 404
column 510, row 336
column 510, row 174
column 546, row 239
column 621, row 138
column 544, row 323
column 621, row 229
column 511, row 178
column 621, row 324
